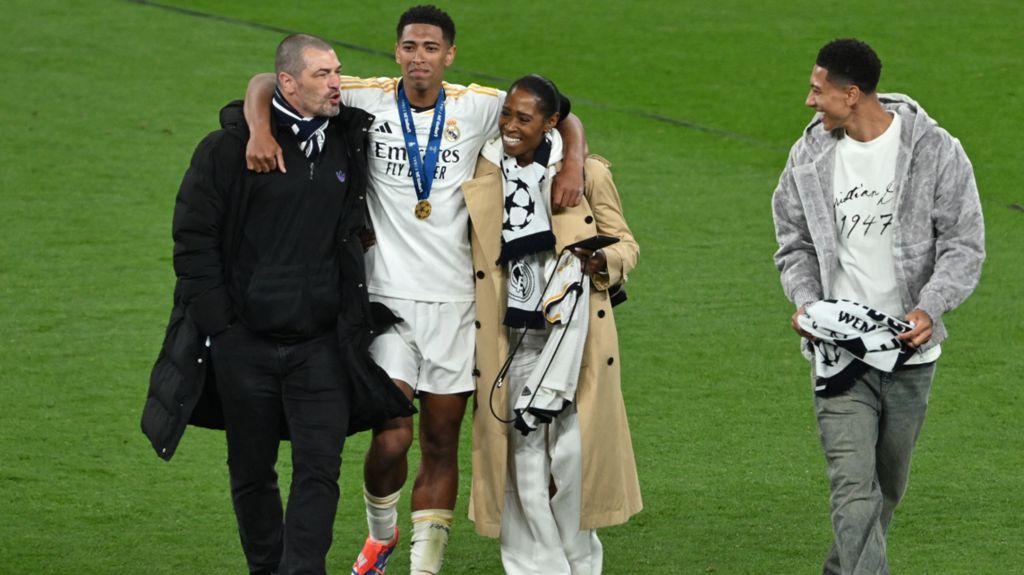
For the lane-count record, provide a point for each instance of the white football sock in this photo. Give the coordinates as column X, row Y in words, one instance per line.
column 430, row 529
column 381, row 515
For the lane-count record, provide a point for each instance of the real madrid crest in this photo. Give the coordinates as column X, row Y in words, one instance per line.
column 451, row 130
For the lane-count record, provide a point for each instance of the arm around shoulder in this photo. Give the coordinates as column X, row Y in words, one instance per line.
column 567, row 187
column 262, row 153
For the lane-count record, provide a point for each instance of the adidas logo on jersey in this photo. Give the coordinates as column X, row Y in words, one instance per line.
column 384, row 128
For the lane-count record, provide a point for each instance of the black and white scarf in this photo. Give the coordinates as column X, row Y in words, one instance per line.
column 310, row 131
column 850, row 338
column 527, row 243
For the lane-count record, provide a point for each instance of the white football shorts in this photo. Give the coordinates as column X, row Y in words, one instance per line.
column 432, row 350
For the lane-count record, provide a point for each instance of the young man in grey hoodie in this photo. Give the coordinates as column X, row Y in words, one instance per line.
column 878, row 205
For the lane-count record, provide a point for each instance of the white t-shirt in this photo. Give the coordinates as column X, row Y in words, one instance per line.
column 864, row 189
column 429, row 259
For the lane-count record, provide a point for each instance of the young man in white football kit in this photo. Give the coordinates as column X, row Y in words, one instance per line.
column 424, row 143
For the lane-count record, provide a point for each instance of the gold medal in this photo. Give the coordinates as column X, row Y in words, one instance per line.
column 423, row 209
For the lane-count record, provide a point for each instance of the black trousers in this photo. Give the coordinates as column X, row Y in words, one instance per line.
column 264, row 386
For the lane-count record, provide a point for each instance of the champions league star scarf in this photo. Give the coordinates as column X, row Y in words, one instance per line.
column 310, row 131
column 850, row 338
column 526, row 237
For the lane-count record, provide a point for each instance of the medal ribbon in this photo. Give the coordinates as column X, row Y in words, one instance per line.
column 422, row 168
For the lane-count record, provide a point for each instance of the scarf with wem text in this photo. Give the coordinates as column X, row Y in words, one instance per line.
column 850, row 338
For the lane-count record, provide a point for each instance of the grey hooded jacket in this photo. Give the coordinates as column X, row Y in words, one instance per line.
column 939, row 234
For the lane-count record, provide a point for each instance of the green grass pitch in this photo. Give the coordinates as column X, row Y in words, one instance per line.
column 695, row 103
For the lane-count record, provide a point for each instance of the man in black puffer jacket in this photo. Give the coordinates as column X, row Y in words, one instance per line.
column 271, row 318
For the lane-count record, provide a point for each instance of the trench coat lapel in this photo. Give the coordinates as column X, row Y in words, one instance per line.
column 484, row 202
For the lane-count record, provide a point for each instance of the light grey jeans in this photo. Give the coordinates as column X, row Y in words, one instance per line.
column 868, row 436
column 540, row 531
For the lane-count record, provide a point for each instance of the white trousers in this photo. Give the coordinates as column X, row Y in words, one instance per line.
column 540, row 532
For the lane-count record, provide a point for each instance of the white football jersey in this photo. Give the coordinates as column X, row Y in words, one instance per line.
column 428, row 259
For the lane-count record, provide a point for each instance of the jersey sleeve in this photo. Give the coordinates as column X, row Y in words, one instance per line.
column 364, row 92
column 491, row 102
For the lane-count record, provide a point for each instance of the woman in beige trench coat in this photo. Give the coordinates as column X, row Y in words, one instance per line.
column 610, row 488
